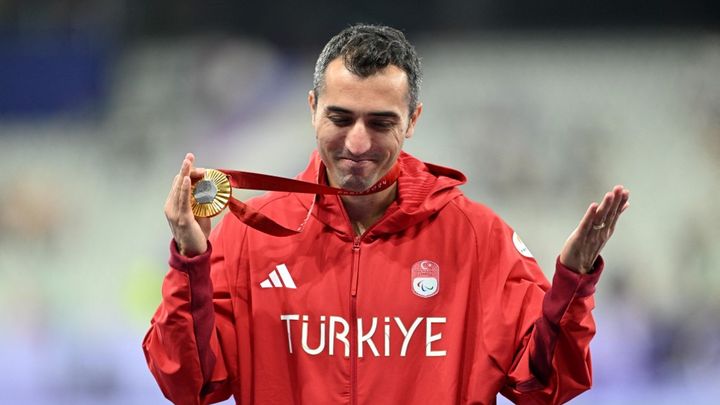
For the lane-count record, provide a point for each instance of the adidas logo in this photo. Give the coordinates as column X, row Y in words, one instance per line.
column 274, row 281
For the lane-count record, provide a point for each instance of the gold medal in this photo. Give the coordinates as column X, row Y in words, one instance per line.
column 211, row 194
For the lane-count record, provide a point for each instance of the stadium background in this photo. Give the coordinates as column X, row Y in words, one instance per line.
column 544, row 105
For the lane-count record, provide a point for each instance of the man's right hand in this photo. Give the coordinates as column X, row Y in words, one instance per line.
column 190, row 232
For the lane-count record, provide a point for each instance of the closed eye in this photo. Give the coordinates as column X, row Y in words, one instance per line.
column 339, row 120
column 382, row 125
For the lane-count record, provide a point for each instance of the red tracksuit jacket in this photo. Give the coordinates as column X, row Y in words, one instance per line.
column 438, row 303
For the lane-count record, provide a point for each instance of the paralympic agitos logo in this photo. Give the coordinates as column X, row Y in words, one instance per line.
column 426, row 286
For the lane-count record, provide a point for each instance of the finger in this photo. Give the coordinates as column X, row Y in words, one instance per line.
column 197, row 174
column 624, row 198
column 603, row 209
column 586, row 222
column 187, row 166
column 176, row 181
column 173, row 187
column 189, row 158
column 172, row 199
column 617, row 201
column 625, row 207
column 184, row 202
column 184, row 171
column 624, row 204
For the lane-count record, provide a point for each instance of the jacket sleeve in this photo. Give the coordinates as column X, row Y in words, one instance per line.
column 186, row 347
column 550, row 327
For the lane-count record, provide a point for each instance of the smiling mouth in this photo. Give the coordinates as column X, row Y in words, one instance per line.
column 356, row 162
column 359, row 158
column 356, row 166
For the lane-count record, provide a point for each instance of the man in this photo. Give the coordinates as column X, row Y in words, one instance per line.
column 411, row 295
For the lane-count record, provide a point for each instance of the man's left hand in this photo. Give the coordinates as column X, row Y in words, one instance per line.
column 595, row 229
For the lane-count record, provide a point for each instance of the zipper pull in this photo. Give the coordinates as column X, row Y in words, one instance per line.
column 355, row 266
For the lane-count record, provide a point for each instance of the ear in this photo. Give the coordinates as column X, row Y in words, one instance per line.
column 413, row 120
column 312, row 103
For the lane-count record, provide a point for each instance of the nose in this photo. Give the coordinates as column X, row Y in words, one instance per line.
column 357, row 140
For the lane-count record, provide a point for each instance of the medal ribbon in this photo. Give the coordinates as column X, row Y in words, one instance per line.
column 256, row 181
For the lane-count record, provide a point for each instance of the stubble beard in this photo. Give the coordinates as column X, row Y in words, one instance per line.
column 354, row 182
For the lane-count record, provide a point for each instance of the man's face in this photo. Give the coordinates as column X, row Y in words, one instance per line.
column 361, row 123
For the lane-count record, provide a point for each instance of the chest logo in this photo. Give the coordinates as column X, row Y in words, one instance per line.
column 425, row 278
column 284, row 280
column 520, row 246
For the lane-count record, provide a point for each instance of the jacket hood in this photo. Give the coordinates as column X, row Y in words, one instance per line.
column 423, row 189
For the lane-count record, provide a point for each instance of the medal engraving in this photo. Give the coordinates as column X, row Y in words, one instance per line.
column 205, row 191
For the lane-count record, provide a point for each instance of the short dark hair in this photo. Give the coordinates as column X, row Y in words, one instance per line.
column 365, row 50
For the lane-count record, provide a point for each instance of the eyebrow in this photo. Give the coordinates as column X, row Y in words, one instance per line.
column 336, row 109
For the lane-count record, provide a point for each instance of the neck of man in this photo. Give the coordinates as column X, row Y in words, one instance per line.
column 366, row 210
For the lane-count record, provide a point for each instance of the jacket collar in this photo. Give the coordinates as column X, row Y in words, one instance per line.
column 423, row 189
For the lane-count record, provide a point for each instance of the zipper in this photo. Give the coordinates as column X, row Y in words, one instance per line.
column 355, row 266
column 353, row 319
column 355, row 270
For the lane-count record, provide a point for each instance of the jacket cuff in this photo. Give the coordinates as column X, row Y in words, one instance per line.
column 567, row 286
column 189, row 264
column 201, row 306
column 570, row 282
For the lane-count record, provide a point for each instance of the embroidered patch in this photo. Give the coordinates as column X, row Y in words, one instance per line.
column 520, row 246
column 425, row 278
